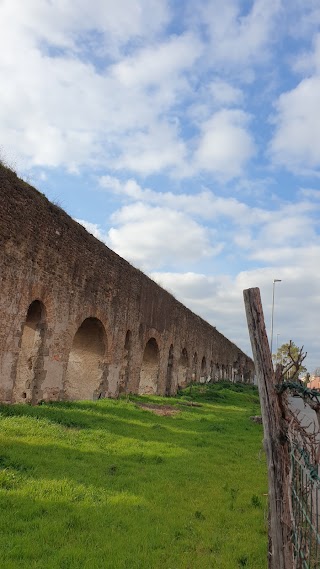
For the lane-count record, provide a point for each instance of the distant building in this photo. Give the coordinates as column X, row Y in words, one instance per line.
column 314, row 382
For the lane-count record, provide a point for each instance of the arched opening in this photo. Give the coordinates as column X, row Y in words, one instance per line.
column 203, row 370
column 183, row 368
column 86, row 361
column 211, row 370
column 169, row 372
column 150, row 368
column 125, row 370
column 247, row 375
column 194, row 366
column 215, row 372
column 233, row 373
column 30, row 372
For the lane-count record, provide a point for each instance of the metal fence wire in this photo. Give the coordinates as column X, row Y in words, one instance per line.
column 304, row 483
column 305, row 500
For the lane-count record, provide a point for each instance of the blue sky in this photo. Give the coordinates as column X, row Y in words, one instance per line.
column 186, row 135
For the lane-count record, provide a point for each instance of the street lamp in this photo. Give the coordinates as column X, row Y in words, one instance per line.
column 272, row 311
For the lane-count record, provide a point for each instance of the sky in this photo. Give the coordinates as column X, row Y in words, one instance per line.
column 183, row 134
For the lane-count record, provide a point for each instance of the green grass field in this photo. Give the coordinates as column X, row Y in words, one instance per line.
column 109, row 484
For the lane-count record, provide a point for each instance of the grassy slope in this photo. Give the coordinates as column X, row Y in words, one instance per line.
column 107, row 484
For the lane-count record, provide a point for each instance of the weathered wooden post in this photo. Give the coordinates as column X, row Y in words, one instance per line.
column 275, row 440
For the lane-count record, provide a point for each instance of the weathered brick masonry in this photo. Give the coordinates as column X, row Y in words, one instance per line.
column 77, row 321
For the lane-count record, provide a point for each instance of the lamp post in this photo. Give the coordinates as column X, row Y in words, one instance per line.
column 272, row 312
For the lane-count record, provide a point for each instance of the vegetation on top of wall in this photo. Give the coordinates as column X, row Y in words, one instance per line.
column 5, row 165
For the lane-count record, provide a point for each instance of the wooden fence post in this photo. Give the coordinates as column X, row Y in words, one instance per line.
column 275, row 440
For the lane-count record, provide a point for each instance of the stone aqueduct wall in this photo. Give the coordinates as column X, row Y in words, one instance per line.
column 77, row 321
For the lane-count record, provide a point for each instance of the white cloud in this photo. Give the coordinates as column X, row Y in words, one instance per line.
column 238, row 39
column 309, row 62
column 159, row 63
column 219, row 299
column 295, row 255
column 224, row 93
column 61, row 23
column 158, row 148
column 294, row 228
column 153, row 237
column 303, row 18
column 310, row 193
column 225, row 144
column 288, row 219
column 60, row 108
column 86, row 87
column 296, row 142
column 205, row 204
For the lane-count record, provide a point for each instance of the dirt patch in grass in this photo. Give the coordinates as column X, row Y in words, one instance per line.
column 164, row 410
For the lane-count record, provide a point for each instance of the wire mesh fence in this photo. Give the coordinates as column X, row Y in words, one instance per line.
column 290, row 446
column 304, row 484
column 305, row 503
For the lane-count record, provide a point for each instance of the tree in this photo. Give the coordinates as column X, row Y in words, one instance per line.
column 316, row 372
column 285, row 355
column 306, row 379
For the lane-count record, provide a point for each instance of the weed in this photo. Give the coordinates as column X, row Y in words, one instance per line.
column 256, row 502
column 199, row 515
column 217, row 428
column 158, row 459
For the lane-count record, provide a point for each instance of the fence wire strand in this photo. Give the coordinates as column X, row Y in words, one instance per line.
column 304, row 480
column 305, row 508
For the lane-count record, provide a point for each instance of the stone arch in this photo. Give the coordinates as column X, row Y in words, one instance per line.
column 247, row 375
column 150, row 368
column 211, row 370
column 183, row 368
column 235, row 372
column 169, row 385
column 126, row 363
column 203, row 370
column 194, row 366
column 30, row 372
column 86, row 364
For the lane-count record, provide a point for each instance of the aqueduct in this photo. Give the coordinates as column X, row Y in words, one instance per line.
column 79, row 322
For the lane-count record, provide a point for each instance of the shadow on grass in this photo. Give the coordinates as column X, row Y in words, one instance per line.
column 126, row 419
column 113, row 469
column 123, row 437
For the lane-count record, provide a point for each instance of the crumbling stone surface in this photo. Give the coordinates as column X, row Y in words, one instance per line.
column 79, row 322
